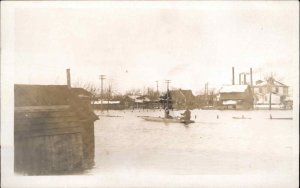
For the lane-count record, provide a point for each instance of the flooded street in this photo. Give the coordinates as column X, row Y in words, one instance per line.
column 211, row 145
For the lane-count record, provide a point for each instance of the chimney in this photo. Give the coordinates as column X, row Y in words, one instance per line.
column 232, row 75
column 245, row 81
column 251, row 81
column 68, row 78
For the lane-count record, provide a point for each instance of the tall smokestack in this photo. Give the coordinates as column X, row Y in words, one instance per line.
column 245, row 81
column 232, row 75
column 251, row 81
column 68, row 78
column 240, row 78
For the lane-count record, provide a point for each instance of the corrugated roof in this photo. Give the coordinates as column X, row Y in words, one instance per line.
column 233, row 88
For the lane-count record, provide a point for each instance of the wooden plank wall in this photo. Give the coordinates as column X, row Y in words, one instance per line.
column 52, row 142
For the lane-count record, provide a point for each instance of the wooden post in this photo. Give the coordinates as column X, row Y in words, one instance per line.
column 232, row 75
column 270, row 98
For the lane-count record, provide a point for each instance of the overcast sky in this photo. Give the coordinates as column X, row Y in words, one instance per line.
column 190, row 43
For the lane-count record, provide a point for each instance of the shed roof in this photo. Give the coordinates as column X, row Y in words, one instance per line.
column 41, row 95
column 51, row 95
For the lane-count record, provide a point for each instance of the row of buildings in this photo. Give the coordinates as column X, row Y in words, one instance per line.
column 262, row 95
column 54, row 124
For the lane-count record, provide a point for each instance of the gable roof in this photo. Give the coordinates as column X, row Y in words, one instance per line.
column 275, row 83
column 233, row 88
column 184, row 93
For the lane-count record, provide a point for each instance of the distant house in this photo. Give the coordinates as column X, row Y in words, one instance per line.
column 108, row 105
column 182, row 99
column 137, row 101
column 235, row 97
column 53, row 130
column 263, row 89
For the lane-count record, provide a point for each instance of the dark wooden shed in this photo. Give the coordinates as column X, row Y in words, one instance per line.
column 236, row 97
column 53, row 129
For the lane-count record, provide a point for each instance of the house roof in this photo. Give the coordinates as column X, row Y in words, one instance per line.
column 134, row 96
column 184, row 93
column 230, row 102
column 275, row 83
column 233, row 88
column 107, row 102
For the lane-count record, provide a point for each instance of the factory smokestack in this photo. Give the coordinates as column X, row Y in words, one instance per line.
column 240, row 79
column 232, row 75
column 68, row 78
column 245, row 81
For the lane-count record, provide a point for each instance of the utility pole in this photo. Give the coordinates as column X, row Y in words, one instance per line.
column 168, row 82
column 270, row 84
column 109, row 94
column 206, row 93
column 68, row 78
column 102, row 77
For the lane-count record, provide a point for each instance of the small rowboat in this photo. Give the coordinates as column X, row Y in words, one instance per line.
column 281, row 118
column 288, row 118
column 241, row 117
column 166, row 120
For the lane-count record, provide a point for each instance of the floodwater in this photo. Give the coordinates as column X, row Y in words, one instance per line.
column 125, row 143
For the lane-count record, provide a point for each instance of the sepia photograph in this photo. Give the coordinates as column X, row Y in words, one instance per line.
column 150, row 94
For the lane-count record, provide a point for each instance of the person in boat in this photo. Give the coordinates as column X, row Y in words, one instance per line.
column 167, row 114
column 186, row 115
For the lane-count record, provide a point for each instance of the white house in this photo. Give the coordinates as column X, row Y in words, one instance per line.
column 263, row 87
column 273, row 90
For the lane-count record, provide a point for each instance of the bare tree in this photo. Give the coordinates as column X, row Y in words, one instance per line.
column 133, row 92
column 90, row 87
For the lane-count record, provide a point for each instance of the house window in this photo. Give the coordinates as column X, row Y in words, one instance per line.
column 260, row 90
column 276, row 89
